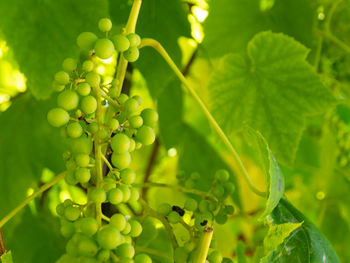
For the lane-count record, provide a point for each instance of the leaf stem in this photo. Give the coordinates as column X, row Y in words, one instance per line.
column 148, row 42
column 203, row 246
column 31, row 197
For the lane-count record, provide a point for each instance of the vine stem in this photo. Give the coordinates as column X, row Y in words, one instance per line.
column 2, row 244
column 148, row 42
column 42, row 189
column 336, row 40
column 203, row 246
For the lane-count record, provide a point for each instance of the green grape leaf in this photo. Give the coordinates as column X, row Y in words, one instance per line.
column 273, row 91
column 42, row 33
column 151, row 24
column 227, row 18
column 306, row 244
column 170, row 108
column 276, row 236
column 6, row 258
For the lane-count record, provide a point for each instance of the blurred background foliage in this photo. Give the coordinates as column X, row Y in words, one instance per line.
column 35, row 36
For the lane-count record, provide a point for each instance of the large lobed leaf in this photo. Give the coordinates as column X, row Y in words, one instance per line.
column 273, row 90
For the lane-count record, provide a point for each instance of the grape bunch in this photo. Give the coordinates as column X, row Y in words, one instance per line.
column 199, row 213
column 98, row 132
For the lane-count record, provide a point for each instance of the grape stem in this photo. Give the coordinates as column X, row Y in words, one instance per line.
column 203, row 247
column 107, row 162
column 106, row 218
column 148, row 42
column 42, row 189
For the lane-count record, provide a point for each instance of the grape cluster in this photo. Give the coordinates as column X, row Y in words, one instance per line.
column 203, row 211
column 123, row 128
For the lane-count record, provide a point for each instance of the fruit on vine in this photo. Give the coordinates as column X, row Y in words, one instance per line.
column 150, row 117
column 74, row 130
column 86, row 41
column 57, row 117
column 62, row 77
column 132, row 54
column 93, row 79
column 108, row 237
column 68, row 100
column 145, row 135
column 121, row 43
column 105, row 24
column 104, row 48
column 134, row 39
column 88, row 104
column 120, row 143
column 69, row 64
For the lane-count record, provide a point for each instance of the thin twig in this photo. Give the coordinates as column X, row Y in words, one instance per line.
column 2, row 244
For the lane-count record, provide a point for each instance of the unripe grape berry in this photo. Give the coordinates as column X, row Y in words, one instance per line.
column 82, row 144
column 105, row 24
column 88, row 65
column 108, row 185
column 102, row 134
column 143, row 258
column 71, row 213
column 88, row 226
column 69, row 64
column 120, row 143
column 134, row 39
column 215, row 257
column 93, row 79
column 68, row 100
column 126, row 260
column 67, row 202
column 135, row 122
column 191, row 204
column 174, row 217
column 57, row 87
column 104, row 48
column 229, row 188
column 126, row 192
column 150, row 117
column 221, row 218
column 113, row 92
column 118, row 221
column 71, row 248
column 86, row 41
column 222, row 175
column 70, row 178
column 227, row 260
column 67, row 229
column 93, row 127
column 108, row 237
column 103, row 255
column 121, row 43
column 74, row 130
column 115, row 196
column 132, row 145
column 60, row 209
column 132, row 54
column 125, row 251
column 131, row 105
column 62, row 77
column 126, row 229
column 164, row 209
column 134, row 195
column 83, row 175
column 136, row 228
column 87, row 247
column 113, row 124
column 145, row 135
column 88, row 104
column 128, row 176
column 84, row 89
column 97, row 195
column 123, row 98
column 82, row 160
column 218, row 191
column 57, row 117
column 138, row 99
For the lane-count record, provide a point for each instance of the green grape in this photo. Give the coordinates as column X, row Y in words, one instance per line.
column 67, row 203
column 118, row 221
column 82, row 160
column 222, row 175
column 87, row 247
column 150, row 117
column 57, row 87
column 203, row 206
column 71, row 165
column 191, row 204
column 87, row 260
column 62, row 77
column 113, row 124
column 132, row 54
column 93, row 79
column 131, row 106
column 128, row 176
column 215, row 257
column 84, row 89
column 126, row 260
column 68, row 100
column 105, row 24
column 115, row 196
column 221, row 218
column 121, row 160
column 227, row 260
column 120, row 143
column 83, row 175
column 88, row 226
column 125, row 251
column 180, row 255
column 121, row 43
column 74, row 130
column 126, row 229
column 78, row 113
column 102, row 134
column 189, row 183
column 108, row 237
column 218, row 191
column 97, row 195
column 174, row 217
column 82, row 144
column 69, row 64
column 113, row 92
column 108, row 185
column 126, row 192
column 164, row 209
column 136, row 228
column 88, row 65
column 132, row 145
column 123, row 98
column 71, row 213
column 229, row 209
column 104, row 48
column 66, row 155
column 60, row 209
column 71, row 248
column 86, row 41
column 57, row 117
column 138, row 99
column 103, row 255
column 93, row 127
column 135, row 122
column 67, row 229
column 145, row 135
column 229, row 188
column 88, row 104
column 143, row 258
column 138, row 145
column 212, row 205
column 134, row 39
column 70, row 178
column 134, row 195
